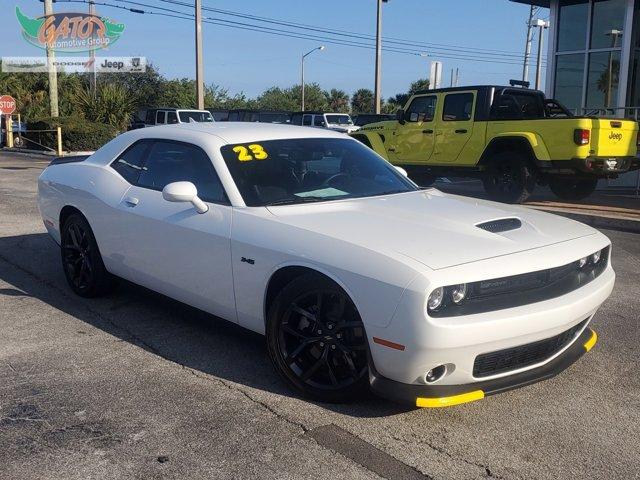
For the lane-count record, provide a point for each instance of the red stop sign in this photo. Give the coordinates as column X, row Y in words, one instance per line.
column 7, row 105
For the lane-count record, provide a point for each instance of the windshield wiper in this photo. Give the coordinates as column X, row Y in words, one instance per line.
column 292, row 201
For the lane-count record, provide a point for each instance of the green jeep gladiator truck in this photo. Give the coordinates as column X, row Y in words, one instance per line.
column 511, row 138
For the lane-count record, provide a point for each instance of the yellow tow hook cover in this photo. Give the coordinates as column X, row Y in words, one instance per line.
column 439, row 402
column 591, row 342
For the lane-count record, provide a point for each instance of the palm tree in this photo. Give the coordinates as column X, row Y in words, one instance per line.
column 338, row 100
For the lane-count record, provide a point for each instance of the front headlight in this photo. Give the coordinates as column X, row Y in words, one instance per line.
column 595, row 258
column 459, row 293
column 435, row 299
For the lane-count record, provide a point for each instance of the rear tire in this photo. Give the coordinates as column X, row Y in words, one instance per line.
column 510, row 178
column 81, row 259
column 316, row 340
column 571, row 188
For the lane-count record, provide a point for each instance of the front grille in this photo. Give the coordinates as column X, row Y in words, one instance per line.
column 501, row 225
column 523, row 356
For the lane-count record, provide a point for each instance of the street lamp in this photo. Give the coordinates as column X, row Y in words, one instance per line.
column 541, row 24
column 378, row 80
column 321, row 47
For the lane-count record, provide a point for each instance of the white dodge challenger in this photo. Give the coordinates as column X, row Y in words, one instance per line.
column 358, row 278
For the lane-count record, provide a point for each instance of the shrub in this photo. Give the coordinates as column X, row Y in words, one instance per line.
column 78, row 134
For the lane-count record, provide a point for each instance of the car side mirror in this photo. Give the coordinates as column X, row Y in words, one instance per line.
column 401, row 170
column 400, row 116
column 184, row 192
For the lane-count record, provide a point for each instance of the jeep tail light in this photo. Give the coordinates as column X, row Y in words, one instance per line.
column 581, row 136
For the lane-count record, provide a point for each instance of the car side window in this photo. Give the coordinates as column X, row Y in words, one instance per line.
column 129, row 163
column 172, row 117
column 458, row 107
column 159, row 118
column 151, row 115
column 422, row 109
column 306, row 120
column 169, row 162
column 318, row 121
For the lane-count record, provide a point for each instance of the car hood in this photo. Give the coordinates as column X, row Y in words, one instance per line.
column 436, row 229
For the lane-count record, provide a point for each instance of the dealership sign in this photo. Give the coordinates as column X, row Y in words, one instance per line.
column 69, row 32
column 74, row 64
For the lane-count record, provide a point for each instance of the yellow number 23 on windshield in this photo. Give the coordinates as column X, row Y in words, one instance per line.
column 253, row 152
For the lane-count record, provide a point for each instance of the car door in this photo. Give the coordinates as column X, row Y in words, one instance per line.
column 413, row 142
column 170, row 247
column 455, row 128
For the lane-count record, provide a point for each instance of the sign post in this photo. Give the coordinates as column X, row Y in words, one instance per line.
column 7, row 107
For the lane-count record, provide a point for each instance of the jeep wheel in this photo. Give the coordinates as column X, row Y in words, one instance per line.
column 510, row 178
column 570, row 188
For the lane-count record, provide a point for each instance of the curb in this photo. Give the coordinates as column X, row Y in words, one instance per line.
column 596, row 221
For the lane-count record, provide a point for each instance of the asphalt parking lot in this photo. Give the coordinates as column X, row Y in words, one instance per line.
column 137, row 386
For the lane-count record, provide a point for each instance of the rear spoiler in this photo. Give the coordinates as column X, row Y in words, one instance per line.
column 69, row 159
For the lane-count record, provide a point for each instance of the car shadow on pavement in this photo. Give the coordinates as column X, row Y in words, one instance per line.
column 221, row 350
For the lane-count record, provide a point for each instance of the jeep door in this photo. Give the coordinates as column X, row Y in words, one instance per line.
column 455, row 127
column 413, row 141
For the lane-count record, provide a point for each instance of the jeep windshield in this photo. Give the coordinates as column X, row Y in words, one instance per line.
column 187, row 116
column 303, row 170
column 339, row 119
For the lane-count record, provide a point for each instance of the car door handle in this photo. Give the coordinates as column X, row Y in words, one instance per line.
column 463, row 130
column 131, row 201
column 428, row 131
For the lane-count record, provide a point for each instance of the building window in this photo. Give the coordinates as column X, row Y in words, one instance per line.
column 607, row 23
column 603, row 79
column 589, row 37
column 569, row 79
column 572, row 26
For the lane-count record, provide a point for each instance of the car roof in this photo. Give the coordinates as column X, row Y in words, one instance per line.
column 242, row 132
column 474, row 87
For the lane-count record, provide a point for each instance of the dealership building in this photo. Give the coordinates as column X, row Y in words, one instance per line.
column 593, row 57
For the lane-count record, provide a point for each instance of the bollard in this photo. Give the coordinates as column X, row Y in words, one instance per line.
column 9, row 131
column 59, row 135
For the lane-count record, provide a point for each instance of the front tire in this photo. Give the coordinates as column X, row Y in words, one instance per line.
column 81, row 259
column 510, row 178
column 316, row 340
column 570, row 188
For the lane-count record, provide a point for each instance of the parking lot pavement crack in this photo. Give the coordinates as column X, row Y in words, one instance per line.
column 486, row 470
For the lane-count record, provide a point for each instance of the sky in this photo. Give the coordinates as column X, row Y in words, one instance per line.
column 248, row 62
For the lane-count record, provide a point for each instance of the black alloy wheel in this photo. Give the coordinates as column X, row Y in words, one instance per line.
column 81, row 259
column 317, row 341
column 510, row 178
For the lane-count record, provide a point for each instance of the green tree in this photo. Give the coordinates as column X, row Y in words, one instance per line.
column 362, row 101
column 420, row 84
column 111, row 105
column 276, row 98
column 338, row 100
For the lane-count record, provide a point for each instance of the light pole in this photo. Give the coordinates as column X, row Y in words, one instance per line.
column 614, row 34
column 541, row 24
column 51, row 67
column 378, row 86
column 199, row 67
column 321, row 47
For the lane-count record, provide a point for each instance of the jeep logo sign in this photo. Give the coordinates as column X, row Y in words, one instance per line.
column 615, row 136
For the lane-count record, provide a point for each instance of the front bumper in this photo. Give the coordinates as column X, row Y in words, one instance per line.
column 433, row 396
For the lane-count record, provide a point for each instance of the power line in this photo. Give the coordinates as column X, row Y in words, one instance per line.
column 278, row 32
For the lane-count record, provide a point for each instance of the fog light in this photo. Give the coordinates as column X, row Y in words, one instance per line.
column 596, row 256
column 458, row 293
column 583, row 261
column 435, row 374
column 435, row 299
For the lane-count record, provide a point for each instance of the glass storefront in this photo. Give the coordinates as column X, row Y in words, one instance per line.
column 588, row 52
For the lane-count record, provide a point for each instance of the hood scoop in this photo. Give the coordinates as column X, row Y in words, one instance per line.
column 500, row 225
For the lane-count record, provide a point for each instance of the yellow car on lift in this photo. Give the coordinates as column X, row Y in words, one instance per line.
column 510, row 138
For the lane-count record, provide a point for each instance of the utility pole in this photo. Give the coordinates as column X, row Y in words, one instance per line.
column 51, row 67
column 199, row 67
column 527, row 49
column 320, row 48
column 541, row 24
column 378, row 86
column 92, row 56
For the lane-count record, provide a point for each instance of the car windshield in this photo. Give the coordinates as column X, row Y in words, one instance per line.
column 195, row 116
column 339, row 119
column 310, row 170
